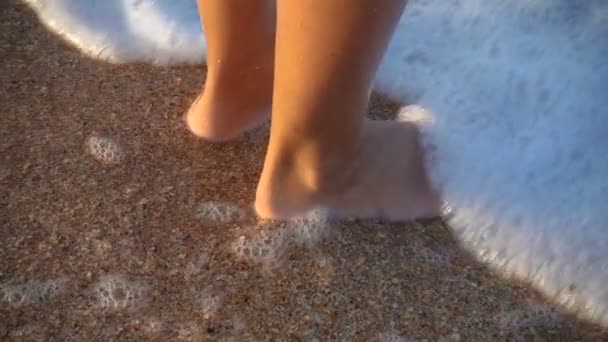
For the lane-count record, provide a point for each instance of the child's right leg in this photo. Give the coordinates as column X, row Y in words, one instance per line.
column 322, row 151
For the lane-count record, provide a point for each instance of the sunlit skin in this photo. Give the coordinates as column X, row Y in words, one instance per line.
column 314, row 74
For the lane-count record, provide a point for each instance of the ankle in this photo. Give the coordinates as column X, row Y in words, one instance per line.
column 318, row 168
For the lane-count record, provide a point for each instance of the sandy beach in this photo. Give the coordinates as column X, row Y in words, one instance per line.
column 117, row 224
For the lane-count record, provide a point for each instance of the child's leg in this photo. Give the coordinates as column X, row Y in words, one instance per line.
column 321, row 150
column 238, row 89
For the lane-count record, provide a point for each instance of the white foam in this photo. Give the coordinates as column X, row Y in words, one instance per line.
column 105, row 150
column 310, row 229
column 267, row 248
column 532, row 207
column 218, row 212
column 32, row 292
column 115, row 292
column 271, row 240
column 516, row 90
column 159, row 32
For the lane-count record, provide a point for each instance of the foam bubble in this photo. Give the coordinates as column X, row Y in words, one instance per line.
column 310, row 229
column 218, row 212
column 33, row 292
column 269, row 245
column 104, row 150
column 115, row 292
column 267, row 248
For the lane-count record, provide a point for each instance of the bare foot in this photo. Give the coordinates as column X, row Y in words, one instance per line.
column 232, row 101
column 386, row 179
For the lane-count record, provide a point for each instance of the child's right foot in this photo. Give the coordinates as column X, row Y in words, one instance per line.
column 385, row 180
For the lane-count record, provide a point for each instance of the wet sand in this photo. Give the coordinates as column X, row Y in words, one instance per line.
column 117, row 224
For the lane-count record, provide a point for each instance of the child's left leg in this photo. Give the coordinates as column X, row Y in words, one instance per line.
column 240, row 65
